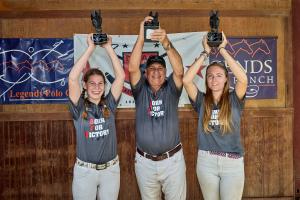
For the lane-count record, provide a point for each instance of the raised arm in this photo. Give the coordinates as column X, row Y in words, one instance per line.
column 117, row 85
column 135, row 58
column 237, row 70
column 174, row 57
column 190, row 74
column 74, row 75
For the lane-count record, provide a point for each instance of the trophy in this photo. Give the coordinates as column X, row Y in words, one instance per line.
column 214, row 38
column 150, row 26
column 98, row 37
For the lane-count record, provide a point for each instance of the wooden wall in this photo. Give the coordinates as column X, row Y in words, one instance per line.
column 37, row 156
column 296, row 72
column 38, row 144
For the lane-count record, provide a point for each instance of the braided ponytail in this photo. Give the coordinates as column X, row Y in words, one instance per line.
column 84, row 113
column 105, row 110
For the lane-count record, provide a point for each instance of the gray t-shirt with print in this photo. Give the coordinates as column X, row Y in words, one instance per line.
column 96, row 135
column 216, row 141
column 157, row 129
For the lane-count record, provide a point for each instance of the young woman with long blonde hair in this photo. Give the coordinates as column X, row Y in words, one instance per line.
column 220, row 164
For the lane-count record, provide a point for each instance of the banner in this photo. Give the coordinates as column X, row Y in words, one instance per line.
column 187, row 44
column 35, row 70
column 258, row 56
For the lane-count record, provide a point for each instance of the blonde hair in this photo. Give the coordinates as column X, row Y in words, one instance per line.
column 224, row 115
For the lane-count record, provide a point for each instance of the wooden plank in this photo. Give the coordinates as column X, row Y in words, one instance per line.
column 66, row 5
column 288, row 61
column 271, row 157
column 191, row 154
column 126, row 114
column 125, row 13
column 64, row 27
column 296, row 94
column 286, row 155
column 254, row 155
column 126, row 152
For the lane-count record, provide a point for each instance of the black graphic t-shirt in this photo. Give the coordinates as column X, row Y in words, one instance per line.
column 95, row 135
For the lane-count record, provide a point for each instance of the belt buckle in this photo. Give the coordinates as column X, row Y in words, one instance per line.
column 101, row 167
column 81, row 164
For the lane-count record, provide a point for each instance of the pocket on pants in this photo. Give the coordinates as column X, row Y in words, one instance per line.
column 80, row 172
column 178, row 158
column 138, row 159
column 115, row 169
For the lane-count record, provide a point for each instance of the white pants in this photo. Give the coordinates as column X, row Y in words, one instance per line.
column 167, row 175
column 89, row 184
column 220, row 177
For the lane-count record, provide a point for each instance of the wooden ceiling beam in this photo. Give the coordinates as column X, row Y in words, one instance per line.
column 139, row 13
column 129, row 8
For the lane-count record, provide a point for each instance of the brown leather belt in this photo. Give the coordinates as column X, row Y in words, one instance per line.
column 162, row 156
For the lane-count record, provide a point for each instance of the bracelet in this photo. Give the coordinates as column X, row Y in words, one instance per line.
column 221, row 48
column 205, row 53
column 168, row 47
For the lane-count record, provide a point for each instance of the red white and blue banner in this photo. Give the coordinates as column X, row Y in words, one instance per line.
column 256, row 55
column 187, row 44
column 35, row 70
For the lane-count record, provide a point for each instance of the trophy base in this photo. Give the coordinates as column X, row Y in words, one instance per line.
column 147, row 32
column 214, row 39
column 99, row 38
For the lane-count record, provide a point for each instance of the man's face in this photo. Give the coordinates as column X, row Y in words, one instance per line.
column 156, row 75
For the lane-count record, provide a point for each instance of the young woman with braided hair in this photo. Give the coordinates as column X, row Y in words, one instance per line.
column 96, row 171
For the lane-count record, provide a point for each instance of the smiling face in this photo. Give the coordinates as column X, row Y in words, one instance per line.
column 216, row 78
column 156, row 75
column 94, row 83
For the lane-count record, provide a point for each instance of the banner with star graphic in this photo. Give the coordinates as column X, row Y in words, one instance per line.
column 187, row 44
column 256, row 55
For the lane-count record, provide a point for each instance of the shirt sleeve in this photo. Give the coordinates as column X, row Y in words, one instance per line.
column 199, row 99
column 240, row 103
column 138, row 87
column 76, row 110
column 111, row 102
column 174, row 89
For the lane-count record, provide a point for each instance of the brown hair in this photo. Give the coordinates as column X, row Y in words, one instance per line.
column 224, row 115
column 102, row 103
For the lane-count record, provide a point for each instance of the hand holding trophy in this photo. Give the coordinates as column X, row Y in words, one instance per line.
column 214, row 38
column 149, row 26
column 98, row 37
